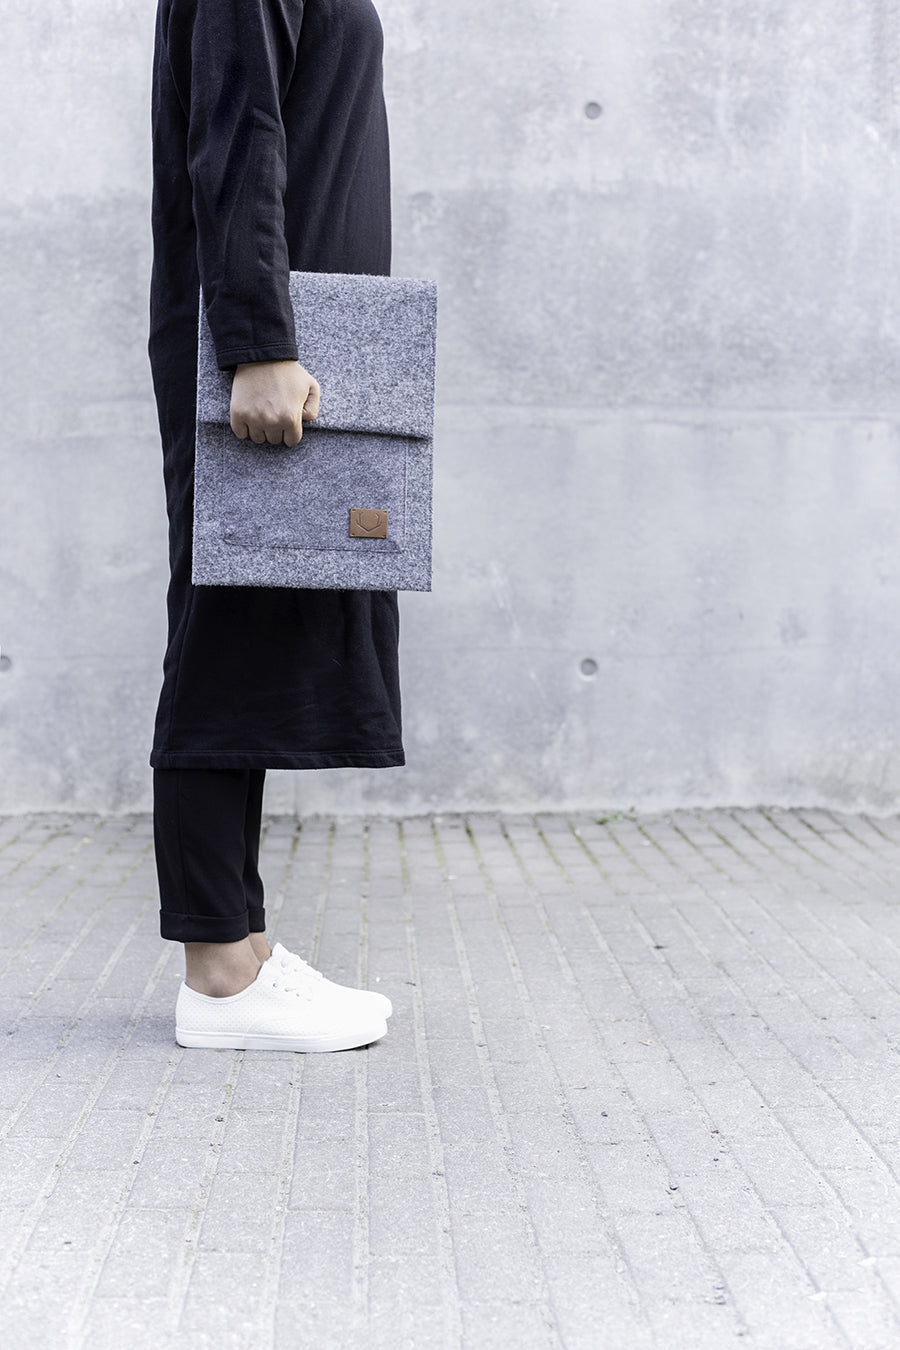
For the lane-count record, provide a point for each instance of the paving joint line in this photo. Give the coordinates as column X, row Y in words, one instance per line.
column 361, row 1218
column 437, row 1163
column 180, row 1281
column 544, row 1301
column 273, row 1268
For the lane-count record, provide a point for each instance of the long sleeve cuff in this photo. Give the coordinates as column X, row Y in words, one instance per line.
column 229, row 357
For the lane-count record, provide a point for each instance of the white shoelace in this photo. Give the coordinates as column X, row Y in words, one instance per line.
column 292, row 989
column 299, row 978
column 301, row 968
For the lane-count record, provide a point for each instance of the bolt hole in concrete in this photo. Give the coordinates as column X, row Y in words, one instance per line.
column 593, row 111
column 5, row 664
column 588, row 668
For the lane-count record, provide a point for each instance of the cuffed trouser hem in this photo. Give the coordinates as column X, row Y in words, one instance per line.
column 199, row 928
column 206, row 826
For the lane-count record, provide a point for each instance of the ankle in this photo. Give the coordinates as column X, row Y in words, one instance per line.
column 220, row 969
column 260, row 946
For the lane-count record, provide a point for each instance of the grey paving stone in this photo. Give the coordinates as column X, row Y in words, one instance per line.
column 546, row 1145
column 241, row 1218
column 264, row 1084
column 495, row 1255
column 170, row 1174
column 521, row 1081
column 132, row 1085
column 667, row 1255
column 324, row 1175
column 38, row 1298
column 25, row 1166
column 400, row 1319
column 224, row 1303
column 568, row 1216
column 328, row 1321
column 728, row 1211
column 149, row 1246
column 398, row 1144
column 872, row 1199
column 207, row 1071
column 327, row 1097
column 824, row 1239
column 394, row 1083
column 497, row 1325
column 404, row 1236
column 778, row 1304
column 779, row 1170
column 867, row 1315
column 595, row 1301
column 53, row 1111
column 317, row 1259
column 252, row 1143
column 124, row 1320
column 17, row 1080
column 77, row 1210
column 828, row 1139
column 639, row 1085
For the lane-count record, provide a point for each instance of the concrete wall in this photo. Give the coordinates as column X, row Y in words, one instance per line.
column 668, row 556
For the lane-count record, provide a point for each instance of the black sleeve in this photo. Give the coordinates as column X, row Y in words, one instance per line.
column 231, row 63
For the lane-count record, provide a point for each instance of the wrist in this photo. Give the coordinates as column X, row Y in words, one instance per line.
column 255, row 365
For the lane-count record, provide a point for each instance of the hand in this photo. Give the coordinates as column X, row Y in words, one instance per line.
column 271, row 399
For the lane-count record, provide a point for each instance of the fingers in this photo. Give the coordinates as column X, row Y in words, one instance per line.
column 311, row 406
column 284, row 435
column 242, row 431
column 270, row 401
column 308, row 413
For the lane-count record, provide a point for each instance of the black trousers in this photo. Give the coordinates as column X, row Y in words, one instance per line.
column 206, row 825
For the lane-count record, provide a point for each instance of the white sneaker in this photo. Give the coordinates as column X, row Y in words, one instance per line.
column 303, row 971
column 278, row 1011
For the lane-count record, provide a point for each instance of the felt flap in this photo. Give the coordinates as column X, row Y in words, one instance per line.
column 368, row 340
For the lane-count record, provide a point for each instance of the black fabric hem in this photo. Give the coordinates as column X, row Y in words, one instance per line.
column 311, row 759
column 202, row 928
column 229, row 357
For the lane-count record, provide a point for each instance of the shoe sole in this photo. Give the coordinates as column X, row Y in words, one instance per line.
column 226, row 1040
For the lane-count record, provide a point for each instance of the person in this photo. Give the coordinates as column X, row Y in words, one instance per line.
column 270, row 154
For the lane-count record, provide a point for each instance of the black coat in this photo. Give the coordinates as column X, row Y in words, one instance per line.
column 270, row 153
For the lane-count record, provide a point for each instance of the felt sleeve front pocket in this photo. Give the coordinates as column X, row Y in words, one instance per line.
column 301, row 497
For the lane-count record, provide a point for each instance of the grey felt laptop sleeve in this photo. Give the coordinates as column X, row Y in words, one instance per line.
column 274, row 516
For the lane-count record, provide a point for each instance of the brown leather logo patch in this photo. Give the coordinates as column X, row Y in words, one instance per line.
column 367, row 524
